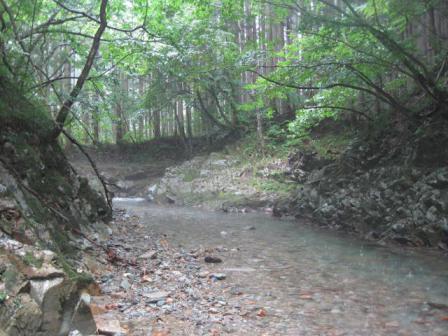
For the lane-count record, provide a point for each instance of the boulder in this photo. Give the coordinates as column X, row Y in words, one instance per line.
column 39, row 297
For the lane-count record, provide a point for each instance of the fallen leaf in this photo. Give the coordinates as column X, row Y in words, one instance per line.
column 94, row 289
column 160, row 333
column 305, row 297
column 444, row 318
column 118, row 295
column 164, row 243
column 392, row 324
column 146, row 278
column 262, row 313
column 97, row 309
column 111, row 306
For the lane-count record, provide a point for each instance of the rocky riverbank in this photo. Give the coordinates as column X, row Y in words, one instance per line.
column 381, row 191
column 224, row 181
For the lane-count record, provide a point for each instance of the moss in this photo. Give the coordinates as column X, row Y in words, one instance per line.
column 62, row 242
column 283, row 188
column 191, row 174
column 80, row 278
column 39, row 214
column 10, row 277
column 3, row 296
column 17, row 112
column 31, row 260
column 51, row 183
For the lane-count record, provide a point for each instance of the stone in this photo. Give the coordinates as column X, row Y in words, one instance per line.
column 40, row 288
column 155, row 297
column 108, row 325
column 152, row 190
column 212, row 260
column 148, row 255
column 170, row 199
column 217, row 276
column 219, row 163
column 125, row 284
column 431, row 214
column 24, row 320
column 203, row 274
column 204, row 173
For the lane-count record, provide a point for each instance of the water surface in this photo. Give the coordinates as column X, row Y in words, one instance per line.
column 313, row 281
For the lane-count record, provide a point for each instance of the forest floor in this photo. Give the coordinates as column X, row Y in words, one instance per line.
column 178, row 270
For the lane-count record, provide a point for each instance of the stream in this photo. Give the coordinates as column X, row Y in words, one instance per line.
column 309, row 281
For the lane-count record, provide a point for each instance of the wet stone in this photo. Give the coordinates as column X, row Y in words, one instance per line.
column 148, row 255
column 125, row 284
column 203, row 274
column 155, row 297
column 212, row 260
column 218, row 276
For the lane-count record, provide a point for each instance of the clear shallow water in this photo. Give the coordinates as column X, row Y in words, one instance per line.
column 312, row 281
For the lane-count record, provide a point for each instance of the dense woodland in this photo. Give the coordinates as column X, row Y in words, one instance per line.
column 129, row 71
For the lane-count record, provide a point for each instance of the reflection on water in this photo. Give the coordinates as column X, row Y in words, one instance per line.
column 315, row 278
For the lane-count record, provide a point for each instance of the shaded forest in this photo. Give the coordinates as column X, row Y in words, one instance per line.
column 113, row 72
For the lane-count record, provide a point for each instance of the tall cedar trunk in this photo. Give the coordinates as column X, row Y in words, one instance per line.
column 96, row 125
column 66, row 88
column 141, row 91
column 119, row 118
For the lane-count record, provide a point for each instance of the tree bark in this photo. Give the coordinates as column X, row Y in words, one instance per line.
column 66, row 106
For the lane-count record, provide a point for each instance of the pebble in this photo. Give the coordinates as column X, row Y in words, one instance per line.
column 148, row 255
column 155, row 297
column 212, row 260
column 203, row 274
column 218, row 276
column 125, row 284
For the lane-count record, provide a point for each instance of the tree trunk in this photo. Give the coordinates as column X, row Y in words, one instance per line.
column 66, row 106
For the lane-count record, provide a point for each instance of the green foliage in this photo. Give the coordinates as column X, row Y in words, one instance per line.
column 3, row 296
column 190, row 175
column 336, row 60
column 18, row 112
column 331, row 145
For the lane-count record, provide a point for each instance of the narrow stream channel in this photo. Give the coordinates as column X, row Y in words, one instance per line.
column 311, row 279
